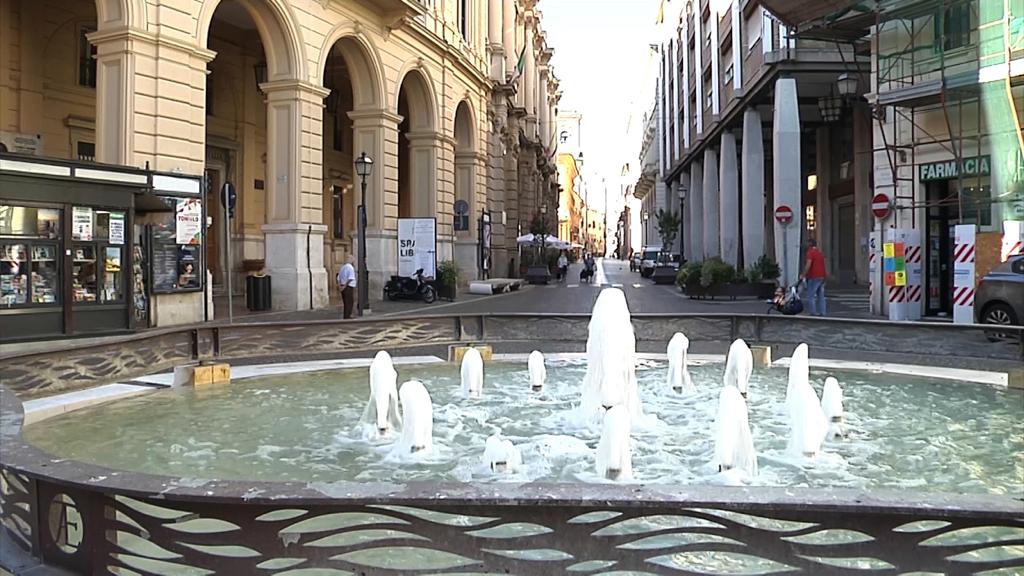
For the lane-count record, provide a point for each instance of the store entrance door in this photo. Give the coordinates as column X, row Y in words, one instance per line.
column 943, row 216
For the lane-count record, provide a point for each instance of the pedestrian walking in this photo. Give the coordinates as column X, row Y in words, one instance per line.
column 814, row 274
column 347, row 285
column 563, row 266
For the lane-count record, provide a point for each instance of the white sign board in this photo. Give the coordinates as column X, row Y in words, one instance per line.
column 116, row 228
column 81, row 223
column 188, row 221
column 417, row 246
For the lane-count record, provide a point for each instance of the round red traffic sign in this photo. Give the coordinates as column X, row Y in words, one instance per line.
column 880, row 206
column 784, row 214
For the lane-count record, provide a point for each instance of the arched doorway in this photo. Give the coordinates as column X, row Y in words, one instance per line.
column 417, row 148
column 353, row 104
column 467, row 210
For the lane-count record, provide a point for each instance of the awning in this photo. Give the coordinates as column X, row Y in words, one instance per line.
column 798, row 12
column 145, row 201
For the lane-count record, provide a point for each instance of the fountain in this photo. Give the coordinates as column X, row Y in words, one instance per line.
column 734, row 445
column 807, row 423
column 501, row 456
column 611, row 359
column 739, row 366
column 381, row 416
column 678, row 374
column 538, row 372
column 472, row 373
column 832, row 406
column 418, row 430
column 614, row 461
column 799, row 372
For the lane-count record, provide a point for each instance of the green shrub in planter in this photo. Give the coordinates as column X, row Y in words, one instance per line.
column 447, row 279
column 768, row 268
column 715, row 271
column 754, row 274
column 689, row 274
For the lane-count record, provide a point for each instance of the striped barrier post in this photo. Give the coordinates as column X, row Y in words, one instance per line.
column 875, row 292
column 894, row 265
column 915, row 265
column 1013, row 239
column 963, row 273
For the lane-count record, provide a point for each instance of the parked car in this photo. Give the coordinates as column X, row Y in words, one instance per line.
column 1000, row 296
column 648, row 260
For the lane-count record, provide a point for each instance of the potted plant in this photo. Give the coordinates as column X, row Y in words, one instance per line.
column 447, row 279
column 713, row 278
column 668, row 228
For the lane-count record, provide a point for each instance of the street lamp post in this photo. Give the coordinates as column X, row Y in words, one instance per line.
column 364, row 167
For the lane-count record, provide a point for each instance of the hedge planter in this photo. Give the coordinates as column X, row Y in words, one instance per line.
column 756, row 290
column 446, row 291
column 538, row 275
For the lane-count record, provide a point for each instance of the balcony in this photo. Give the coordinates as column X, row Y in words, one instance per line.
column 397, row 9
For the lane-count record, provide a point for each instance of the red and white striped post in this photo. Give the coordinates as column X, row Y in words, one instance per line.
column 1013, row 239
column 963, row 273
column 915, row 264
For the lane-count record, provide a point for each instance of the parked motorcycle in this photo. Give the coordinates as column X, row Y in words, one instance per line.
column 410, row 288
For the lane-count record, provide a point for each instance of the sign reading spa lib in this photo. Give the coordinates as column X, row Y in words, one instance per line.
column 417, row 246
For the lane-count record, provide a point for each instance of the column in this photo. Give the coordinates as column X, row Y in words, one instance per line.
column 676, row 89
column 862, row 193
column 293, row 234
column 729, row 213
column 753, row 187
column 508, row 35
column 543, row 107
column 529, row 81
column 467, row 166
column 376, row 133
column 684, row 215
column 423, row 152
column 696, row 209
column 712, row 248
column 786, row 177
column 494, row 40
column 823, row 201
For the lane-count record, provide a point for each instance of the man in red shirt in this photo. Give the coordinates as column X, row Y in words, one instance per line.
column 814, row 273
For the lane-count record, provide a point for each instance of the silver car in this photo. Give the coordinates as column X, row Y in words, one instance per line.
column 1000, row 296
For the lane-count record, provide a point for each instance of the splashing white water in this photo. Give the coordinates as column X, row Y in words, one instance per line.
column 739, row 366
column 538, row 372
column 678, row 374
column 501, row 456
column 472, row 373
column 799, row 372
column 832, row 406
column 418, row 411
column 807, row 423
column 734, row 445
column 614, row 460
column 381, row 416
column 611, row 359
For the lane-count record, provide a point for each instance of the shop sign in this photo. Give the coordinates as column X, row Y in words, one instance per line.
column 81, row 223
column 188, row 221
column 117, row 227
column 950, row 169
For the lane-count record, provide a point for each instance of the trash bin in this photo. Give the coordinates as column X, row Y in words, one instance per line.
column 257, row 293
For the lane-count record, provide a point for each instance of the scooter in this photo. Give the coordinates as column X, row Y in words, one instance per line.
column 411, row 288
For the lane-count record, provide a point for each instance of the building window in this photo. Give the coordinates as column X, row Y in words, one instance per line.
column 86, row 58
column 86, row 151
column 464, row 19
column 727, row 74
column 977, row 203
column 209, row 95
column 956, row 27
column 338, row 212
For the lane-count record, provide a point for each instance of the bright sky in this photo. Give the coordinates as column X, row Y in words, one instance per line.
column 602, row 60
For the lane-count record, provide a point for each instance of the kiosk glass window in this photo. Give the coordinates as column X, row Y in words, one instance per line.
column 84, row 278
column 96, row 272
column 113, row 277
column 30, row 268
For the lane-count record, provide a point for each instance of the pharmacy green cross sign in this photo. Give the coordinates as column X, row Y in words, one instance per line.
column 950, row 169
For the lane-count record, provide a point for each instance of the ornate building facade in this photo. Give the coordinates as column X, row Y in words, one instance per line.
column 453, row 99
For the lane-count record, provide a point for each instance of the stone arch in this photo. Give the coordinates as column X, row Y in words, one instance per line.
column 118, row 13
column 281, row 36
column 363, row 61
column 465, row 128
column 422, row 101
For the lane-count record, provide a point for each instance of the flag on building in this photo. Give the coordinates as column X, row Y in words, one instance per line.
column 520, row 65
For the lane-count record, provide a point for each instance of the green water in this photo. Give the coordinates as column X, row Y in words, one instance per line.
column 904, row 432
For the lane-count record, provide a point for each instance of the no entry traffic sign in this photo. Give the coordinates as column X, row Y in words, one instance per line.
column 784, row 214
column 880, row 206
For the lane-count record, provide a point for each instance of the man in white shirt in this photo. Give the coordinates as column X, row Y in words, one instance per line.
column 347, row 285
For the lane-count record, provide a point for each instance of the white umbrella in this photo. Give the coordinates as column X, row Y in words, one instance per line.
column 549, row 241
